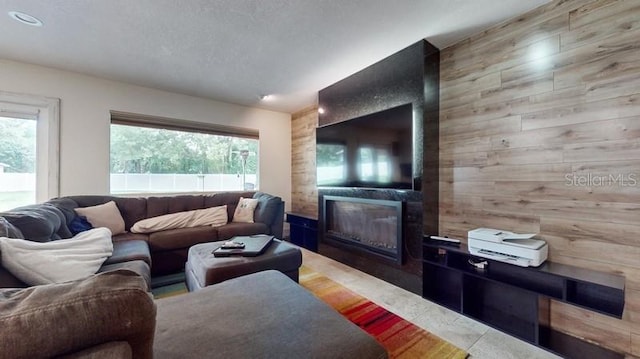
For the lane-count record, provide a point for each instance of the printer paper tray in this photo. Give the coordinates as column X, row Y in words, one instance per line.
column 511, row 259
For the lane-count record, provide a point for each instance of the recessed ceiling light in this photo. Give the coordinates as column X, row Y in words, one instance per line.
column 266, row 97
column 25, row 18
column 320, row 110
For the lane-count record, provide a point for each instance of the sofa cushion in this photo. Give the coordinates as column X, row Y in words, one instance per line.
column 109, row 307
column 226, row 198
column 181, row 238
column 158, row 206
column 141, row 268
column 128, row 236
column 213, row 216
column 58, row 261
column 104, row 215
column 8, row 280
column 232, row 229
column 245, row 209
column 124, row 251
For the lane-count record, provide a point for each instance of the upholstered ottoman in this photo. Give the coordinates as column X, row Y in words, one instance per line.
column 203, row 268
column 261, row 315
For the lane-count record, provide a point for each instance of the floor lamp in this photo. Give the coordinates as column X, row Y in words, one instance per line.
column 244, row 154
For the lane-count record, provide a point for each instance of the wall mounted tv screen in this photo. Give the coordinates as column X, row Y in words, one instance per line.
column 373, row 151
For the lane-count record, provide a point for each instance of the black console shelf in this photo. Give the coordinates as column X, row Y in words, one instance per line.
column 516, row 299
column 303, row 230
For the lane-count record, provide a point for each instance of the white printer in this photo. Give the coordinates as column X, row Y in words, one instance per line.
column 508, row 247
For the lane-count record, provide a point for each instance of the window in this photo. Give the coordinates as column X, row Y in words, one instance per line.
column 29, row 169
column 331, row 163
column 157, row 155
column 375, row 164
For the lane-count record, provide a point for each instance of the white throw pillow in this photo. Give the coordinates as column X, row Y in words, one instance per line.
column 213, row 216
column 104, row 215
column 244, row 210
column 59, row 261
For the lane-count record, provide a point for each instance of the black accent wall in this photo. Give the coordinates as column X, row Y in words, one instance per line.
column 408, row 76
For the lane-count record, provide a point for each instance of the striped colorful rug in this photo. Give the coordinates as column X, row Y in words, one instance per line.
column 401, row 338
column 169, row 290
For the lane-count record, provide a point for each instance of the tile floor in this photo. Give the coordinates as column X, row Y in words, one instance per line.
column 481, row 341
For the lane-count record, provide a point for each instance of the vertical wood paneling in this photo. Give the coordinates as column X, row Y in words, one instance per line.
column 539, row 131
column 304, row 195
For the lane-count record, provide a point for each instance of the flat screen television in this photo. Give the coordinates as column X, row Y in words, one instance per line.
column 372, row 151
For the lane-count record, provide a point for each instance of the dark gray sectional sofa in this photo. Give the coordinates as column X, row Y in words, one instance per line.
column 112, row 315
column 155, row 253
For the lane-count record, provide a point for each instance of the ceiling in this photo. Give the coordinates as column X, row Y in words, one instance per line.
column 237, row 50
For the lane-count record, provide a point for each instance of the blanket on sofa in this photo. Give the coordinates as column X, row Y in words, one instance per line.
column 58, row 261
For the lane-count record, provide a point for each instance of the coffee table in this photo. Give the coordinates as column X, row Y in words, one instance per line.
column 203, row 268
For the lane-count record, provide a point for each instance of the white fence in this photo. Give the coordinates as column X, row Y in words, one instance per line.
column 141, row 183
column 17, row 189
column 17, row 182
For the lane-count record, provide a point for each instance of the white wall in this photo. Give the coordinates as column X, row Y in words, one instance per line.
column 84, row 122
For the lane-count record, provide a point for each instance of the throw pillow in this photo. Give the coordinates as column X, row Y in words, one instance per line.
column 244, row 210
column 58, row 261
column 79, row 224
column 104, row 215
column 213, row 216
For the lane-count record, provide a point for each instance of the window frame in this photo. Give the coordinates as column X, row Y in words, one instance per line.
column 166, row 123
column 46, row 112
column 131, row 119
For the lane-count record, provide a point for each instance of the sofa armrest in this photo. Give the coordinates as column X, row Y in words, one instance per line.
column 270, row 211
column 278, row 222
column 61, row 319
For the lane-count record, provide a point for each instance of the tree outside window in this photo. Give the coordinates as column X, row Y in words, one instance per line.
column 17, row 162
column 147, row 159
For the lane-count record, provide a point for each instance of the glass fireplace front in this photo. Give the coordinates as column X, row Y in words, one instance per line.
column 365, row 224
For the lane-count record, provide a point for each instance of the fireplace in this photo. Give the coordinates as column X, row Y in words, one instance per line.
column 369, row 225
column 409, row 76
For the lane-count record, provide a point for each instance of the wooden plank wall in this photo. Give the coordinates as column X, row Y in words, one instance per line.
column 304, row 198
column 540, row 132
